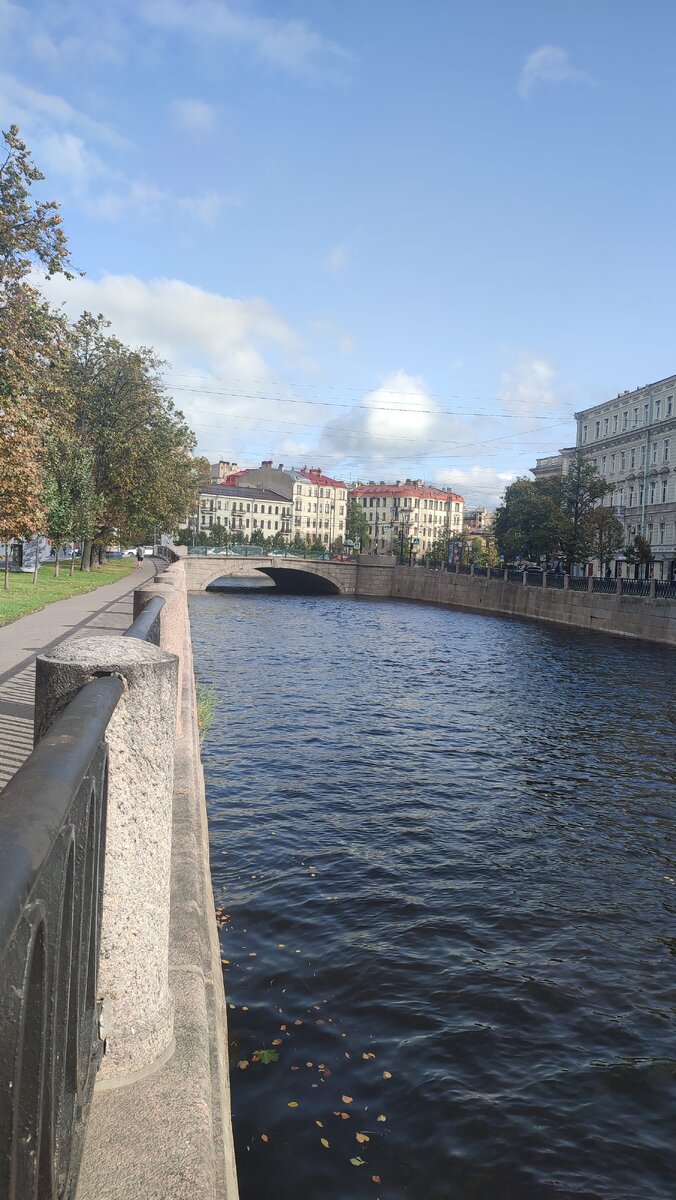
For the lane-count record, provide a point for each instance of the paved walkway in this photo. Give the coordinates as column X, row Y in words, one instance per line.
column 108, row 609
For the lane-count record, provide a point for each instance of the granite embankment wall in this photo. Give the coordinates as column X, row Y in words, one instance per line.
column 642, row 617
column 165, row 1130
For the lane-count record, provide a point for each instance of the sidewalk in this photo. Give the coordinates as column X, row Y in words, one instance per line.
column 108, row 609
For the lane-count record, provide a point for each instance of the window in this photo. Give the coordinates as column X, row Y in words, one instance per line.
column 661, row 533
column 255, row 508
column 248, row 509
column 640, row 495
column 615, row 423
column 634, row 421
column 666, row 449
column 605, row 427
column 632, row 459
column 658, row 409
column 670, row 405
column 665, row 489
column 603, row 464
column 255, row 524
column 247, row 524
column 623, row 460
column 642, row 456
column 270, row 524
column 276, row 510
column 631, row 497
column 652, row 492
column 620, row 497
column 625, row 419
column 276, row 524
column 597, row 429
column 654, row 453
column 612, row 464
column 646, row 409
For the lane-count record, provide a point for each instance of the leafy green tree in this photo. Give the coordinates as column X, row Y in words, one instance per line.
column 356, row 524
column 529, row 521
column 639, row 553
column 581, row 489
column 31, row 238
column 605, row 534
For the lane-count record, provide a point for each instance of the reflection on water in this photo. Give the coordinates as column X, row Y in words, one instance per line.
column 442, row 845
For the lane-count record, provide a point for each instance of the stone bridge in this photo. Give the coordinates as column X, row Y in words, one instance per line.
column 289, row 573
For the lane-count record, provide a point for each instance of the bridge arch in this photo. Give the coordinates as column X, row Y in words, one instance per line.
column 289, row 574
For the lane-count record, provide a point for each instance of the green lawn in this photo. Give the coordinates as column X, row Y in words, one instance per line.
column 26, row 597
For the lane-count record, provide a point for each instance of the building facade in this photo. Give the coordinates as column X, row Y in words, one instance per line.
column 408, row 517
column 631, row 439
column 318, row 502
column 241, row 510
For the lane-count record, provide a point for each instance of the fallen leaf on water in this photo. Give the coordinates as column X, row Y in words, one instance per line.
column 266, row 1056
column 346, row 1054
column 387, row 1074
column 320, row 1022
column 283, row 1028
column 243, row 1064
column 381, row 1118
column 358, row 1162
column 292, row 1104
column 282, row 945
column 226, row 961
column 362, row 1137
column 368, row 1055
column 324, row 1142
column 346, row 1099
column 345, row 1116
column 264, row 1137
column 325, row 1071
column 276, row 1041
column 320, row 1123
column 245, row 1008
column 309, row 1064
column 252, row 954
column 295, row 1068
column 375, row 1178
column 298, row 1022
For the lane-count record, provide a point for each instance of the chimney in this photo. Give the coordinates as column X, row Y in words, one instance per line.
column 280, row 467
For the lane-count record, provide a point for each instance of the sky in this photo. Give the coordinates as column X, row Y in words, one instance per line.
column 394, row 238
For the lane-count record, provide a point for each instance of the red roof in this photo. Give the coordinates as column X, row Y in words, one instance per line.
column 316, row 476
column 404, row 489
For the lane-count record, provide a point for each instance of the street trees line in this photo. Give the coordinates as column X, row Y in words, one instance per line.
column 90, row 443
column 560, row 518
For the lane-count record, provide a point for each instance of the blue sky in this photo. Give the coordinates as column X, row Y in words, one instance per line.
column 388, row 238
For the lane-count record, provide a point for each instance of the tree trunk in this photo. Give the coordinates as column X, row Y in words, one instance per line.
column 72, row 560
column 86, row 561
column 36, row 568
column 102, row 556
column 6, row 566
column 56, row 564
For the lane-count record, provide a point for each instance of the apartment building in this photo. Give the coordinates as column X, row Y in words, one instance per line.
column 631, row 439
column 318, row 502
column 408, row 515
column 242, row 509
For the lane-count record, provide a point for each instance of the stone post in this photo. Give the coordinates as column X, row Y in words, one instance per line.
column 566, row 582
column 524, row 577
column 489, row 572
column 171, row 587
column 590, row 583
column 544, row 579
column 471, row 570
column 138, row 1006
column 652, row 588
column 505, row 573
column 618, row 585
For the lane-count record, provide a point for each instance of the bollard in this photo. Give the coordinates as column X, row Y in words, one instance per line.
column 138, row 1007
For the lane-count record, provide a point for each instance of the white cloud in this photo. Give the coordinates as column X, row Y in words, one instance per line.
column 289, row 44
column 337, row 258
column 479, row 486
column 529, row 388
column 399, row 416
column 548, row 65
column 22, row 104
column 193, row 116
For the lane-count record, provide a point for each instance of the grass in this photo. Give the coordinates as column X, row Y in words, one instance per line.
column 26, row 597
column 206, row 708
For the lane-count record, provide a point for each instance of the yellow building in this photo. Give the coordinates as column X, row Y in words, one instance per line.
column 408, row 517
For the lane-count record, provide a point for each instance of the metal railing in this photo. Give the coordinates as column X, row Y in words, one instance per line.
column 578, row 583
column 665, row 589
column 481, row 571
column 604, row 585
column 146, row 627
column 52, row 861
column 554, row 579
column 515, row 576
column 636, row 587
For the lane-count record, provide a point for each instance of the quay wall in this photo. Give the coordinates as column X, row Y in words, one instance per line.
column 640, row 617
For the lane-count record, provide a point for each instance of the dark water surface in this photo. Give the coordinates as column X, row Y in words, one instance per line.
column 442, row 840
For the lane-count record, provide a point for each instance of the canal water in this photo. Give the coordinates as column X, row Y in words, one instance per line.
column 441, row 854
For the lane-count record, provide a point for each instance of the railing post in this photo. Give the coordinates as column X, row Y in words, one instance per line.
column 524, row 577
column 618, row 585
column 505, row 574
column 652, row 588
column 590, row 583
column 471, row 569
column 544, row 579
column 566, row 582
column 138, row 1006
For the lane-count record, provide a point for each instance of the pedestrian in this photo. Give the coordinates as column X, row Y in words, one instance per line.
column 608, row 576
column 139, row 557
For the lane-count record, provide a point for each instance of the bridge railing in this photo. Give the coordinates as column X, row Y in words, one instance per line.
column 249, row 551
column 65, row 907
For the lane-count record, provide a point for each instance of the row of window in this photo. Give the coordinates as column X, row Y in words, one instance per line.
column 238, row 523
column 313, row 491
column 411, row 502
column 663, row 408
column 660, row 452
column 658, row 493
column 219, row 505
column 313, row 508
column 657, row 535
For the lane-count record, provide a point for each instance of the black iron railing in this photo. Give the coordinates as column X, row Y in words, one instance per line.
column 555, row 579
column 578, row 583
column 52, row 855
column 604, row 585
column 146, row 627
column 636, row 587
column 665, row 589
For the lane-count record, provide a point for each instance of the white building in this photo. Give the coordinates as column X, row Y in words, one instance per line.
column 631, row 439
column 244, row 510
column 408, row 516
column 319, row 503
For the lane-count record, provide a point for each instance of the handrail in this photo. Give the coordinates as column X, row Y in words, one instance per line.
column 52, row 852
column 146, row 627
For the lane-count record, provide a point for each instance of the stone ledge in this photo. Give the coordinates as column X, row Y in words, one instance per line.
column 168, row 1136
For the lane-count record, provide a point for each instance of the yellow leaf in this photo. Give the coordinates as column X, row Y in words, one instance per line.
column 375, row 1178
column 362, row 1137
column 324, row 1142
column 381, row 1118
column 368, row 1055
column 387, row 1074
column 243, row 1064
column 264, row 1137
column 346, row 1099
column 292, row 1104
column 320, row 1123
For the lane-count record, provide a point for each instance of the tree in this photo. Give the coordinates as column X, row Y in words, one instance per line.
column 529, row 523
column 639, row 552
column 581, row 489
column 356, row 524
column 31, row 236
column 604, row 533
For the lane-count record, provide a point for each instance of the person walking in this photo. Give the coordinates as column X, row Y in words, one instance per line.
column 139, row 557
